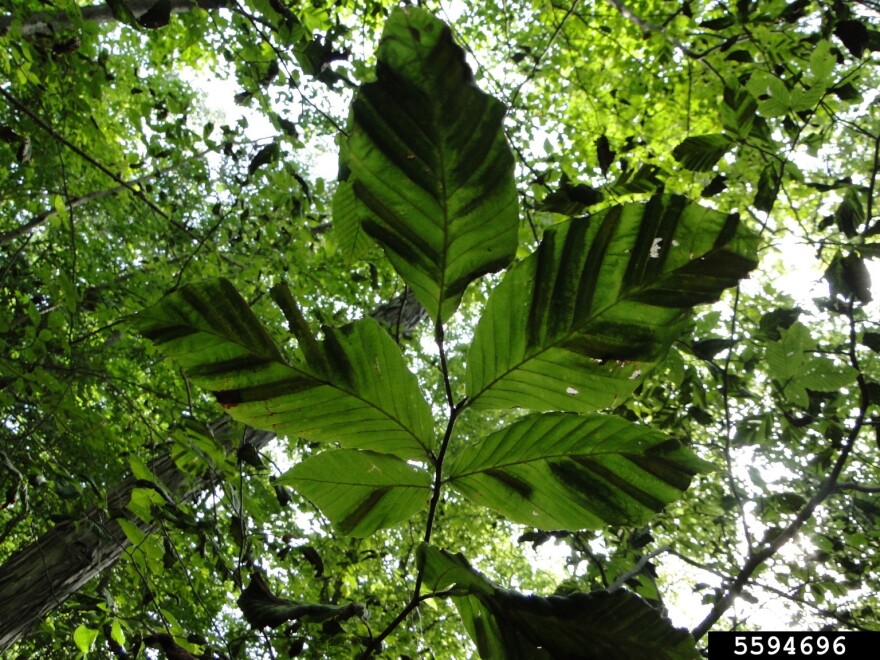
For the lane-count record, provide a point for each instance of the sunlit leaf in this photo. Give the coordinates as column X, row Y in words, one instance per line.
column 362, row 395
column 700, row 153
column 84, row 638
column 578, row 324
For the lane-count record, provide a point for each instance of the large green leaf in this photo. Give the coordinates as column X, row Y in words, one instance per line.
column 360, row 394
column 565, row 471
column 510, row 626
column 360, row 491
column 428, row 158
column 578, row 324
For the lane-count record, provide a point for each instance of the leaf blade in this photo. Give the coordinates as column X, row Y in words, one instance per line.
column 429, row 159
column 565, row 471
column 360, row 492
column 508, row 624
column 578, row 324
column 367, row 399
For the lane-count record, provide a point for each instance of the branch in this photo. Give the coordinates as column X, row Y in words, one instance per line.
column 52, row 22
column 454, row 412
column 828, row 487
column 45, row 216
column 848, row 485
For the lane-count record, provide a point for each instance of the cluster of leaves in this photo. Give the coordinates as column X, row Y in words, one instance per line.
column 572, row 328
column 121, row 185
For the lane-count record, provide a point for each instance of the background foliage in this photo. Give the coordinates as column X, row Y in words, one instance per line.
column 124, row 182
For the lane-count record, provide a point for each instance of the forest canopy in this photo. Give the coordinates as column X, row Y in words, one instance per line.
column 571, row 352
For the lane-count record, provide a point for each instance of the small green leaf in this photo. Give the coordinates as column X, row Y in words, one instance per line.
column 715, row 186
column 738, row 111
column 116, row 633
column 564, row 471
column 120, row 11
column 156, row 16
column 706, row 349
column 571, row 199
column 140, row 470
column 790, row 362
column 822, row 61
column 604, row 153
column 360, row 491
column 700, row 153
column 850, row 214
column 142, row 502
column 261, row 608
column 872, row 341
column 854, row 35
column 84, row 638
column 773, row 96
column 778, row 319
column 132, row 532
column 264, row 156
column 768, row 186
column 848, row 278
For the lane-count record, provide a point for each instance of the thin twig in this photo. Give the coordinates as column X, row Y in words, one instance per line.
column 757, row 558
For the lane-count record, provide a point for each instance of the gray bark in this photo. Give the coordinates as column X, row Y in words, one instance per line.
column 52, row 22
column 40, row 577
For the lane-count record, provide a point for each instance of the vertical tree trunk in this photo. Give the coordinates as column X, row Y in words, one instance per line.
column 41, row 576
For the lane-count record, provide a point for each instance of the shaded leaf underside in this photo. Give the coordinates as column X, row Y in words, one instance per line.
column 360, row 491
column 506, row 624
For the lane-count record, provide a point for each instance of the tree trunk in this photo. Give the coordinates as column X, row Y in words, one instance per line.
column 41, row 576
column 52, row 22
